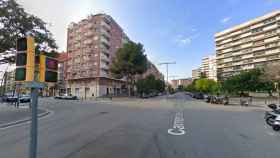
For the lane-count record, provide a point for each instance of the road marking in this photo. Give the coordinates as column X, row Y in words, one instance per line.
column 178, row 125
column 24, row 121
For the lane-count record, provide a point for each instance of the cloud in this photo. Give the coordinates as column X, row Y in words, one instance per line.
column 185, row 40
column 225, row 20
column 193, row 29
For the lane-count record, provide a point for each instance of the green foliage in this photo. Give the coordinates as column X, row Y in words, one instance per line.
column 170, row 89
column 247, row 81
column 130, row 60
column 190, row 88
column 16, row 23
column 204, row 85
column 202, row 75
column 180, row 88
column 149, row 85
column 207, row 86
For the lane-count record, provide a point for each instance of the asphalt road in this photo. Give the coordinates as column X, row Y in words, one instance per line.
column 139, row 129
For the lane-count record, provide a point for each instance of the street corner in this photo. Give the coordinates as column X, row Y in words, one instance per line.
column 11, row 116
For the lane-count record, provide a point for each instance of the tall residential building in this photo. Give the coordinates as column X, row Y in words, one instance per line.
column 248, row 45
column 205, row 66
column 152, row 70
column 61, row 76
column 91, row 45
column 196, row 73
column 212, row 67
column 209, row 67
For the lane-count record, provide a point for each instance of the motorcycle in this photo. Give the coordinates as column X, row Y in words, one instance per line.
column 272, row 118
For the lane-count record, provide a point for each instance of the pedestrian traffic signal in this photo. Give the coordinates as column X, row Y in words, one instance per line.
column 25, row 58
column 48, row 69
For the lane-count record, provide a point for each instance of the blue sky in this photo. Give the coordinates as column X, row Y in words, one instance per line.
column 170, row 30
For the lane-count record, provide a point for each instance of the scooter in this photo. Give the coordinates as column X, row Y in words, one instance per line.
column 276, row 124
column 272, row 118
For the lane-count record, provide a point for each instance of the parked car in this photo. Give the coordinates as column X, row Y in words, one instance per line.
column 66, row 97
column 198, row 95
column 23, row 98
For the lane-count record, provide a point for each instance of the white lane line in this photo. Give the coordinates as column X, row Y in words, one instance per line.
column 24, row 121
column 178, row 125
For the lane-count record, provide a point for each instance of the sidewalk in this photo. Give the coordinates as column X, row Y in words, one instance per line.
column 9, row 115
column 260, row 102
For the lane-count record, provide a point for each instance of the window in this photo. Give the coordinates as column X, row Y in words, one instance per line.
column 257, row 30
column 271, row 45
column 270, row 32
column 269, row 20
column 236, row 47
column 259, row 53
column 245, row 29
column 247, row 50
column 259, row 42
column 272, row 57
column 237, row 58
column 228, row 55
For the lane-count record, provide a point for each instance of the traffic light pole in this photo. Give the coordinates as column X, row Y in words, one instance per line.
column 34, row 123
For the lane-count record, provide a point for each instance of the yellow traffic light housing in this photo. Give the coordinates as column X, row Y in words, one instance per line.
column 25, row 59
column 48, row 69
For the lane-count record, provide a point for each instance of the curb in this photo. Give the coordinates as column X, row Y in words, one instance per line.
column 22, row 121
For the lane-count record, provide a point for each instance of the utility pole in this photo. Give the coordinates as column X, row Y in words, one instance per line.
column 174, row 76
column 167, row 64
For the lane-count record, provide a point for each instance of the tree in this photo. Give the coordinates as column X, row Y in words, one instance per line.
column 206, row 85
column 16, row 23
column 130, row 61
column 247, row 81
column 271, row 74
column 149, row 85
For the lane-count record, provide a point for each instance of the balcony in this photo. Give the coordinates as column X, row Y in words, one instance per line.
column 87, row 42
column 105, row 25
column 104, row 46
column 104, row 65
column 104, row 58
column 105, row 40
column 104, row 32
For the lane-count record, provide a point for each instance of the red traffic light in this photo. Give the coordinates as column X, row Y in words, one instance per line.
column 51, row 63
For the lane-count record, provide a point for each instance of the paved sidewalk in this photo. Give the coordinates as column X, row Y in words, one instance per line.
column 257, row 102
column 9, row 114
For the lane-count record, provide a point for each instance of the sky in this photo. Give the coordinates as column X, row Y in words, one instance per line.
column 180, row 31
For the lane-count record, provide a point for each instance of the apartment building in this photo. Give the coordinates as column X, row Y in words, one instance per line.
column 205, row 66
column 181, row 82
column 249, row 45
column 61, row 76
column 10, row 81
column 196, row 73
column 152, row 70
column 91, row 45
column 212, row 67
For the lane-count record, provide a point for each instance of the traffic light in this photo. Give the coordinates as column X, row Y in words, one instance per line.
column 48, row 69
column 25, row 58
